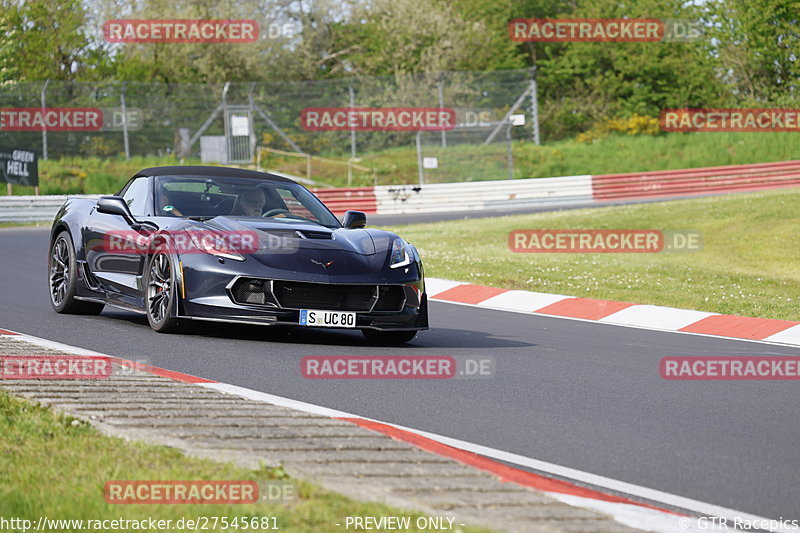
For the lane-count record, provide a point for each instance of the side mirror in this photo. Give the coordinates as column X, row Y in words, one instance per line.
column 354, row 220
column 115, row 205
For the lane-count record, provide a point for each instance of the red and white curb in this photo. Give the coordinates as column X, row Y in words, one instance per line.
column 616, row 313
column 568, row 485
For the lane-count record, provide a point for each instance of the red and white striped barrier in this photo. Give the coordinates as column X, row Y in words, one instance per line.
column 566, row 190
column 696, row 181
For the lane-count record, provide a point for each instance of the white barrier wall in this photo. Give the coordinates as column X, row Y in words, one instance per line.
column 479, row 195
column 32, row 208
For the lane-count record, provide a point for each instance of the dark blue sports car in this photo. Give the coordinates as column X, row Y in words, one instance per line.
column 219, row 244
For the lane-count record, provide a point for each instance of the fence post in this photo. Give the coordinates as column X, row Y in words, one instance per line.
column 352, row 131
column 419, row 159
column 124, row 121
column 510, row 152
column 251, row 120
column 441, row 105
column 534, row 107
column 308, row 166
column 9, row 190
column 44, row 127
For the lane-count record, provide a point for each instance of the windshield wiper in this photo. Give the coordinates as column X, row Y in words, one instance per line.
column 200, row 219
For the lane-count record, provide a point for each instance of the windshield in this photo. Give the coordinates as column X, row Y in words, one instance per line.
column 208, row 197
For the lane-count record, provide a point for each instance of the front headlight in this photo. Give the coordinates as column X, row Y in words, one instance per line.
column 400, row 256
column 214, row 244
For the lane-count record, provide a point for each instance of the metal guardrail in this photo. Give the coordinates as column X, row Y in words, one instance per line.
column 31, row 208
column 480, row 195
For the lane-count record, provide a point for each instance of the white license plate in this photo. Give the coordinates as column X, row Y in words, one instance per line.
column 327, row 319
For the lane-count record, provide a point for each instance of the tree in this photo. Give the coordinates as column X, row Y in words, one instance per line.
column 45, row 39
column 757, row 48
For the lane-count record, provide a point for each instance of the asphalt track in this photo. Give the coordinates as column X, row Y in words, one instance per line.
column 578, row 394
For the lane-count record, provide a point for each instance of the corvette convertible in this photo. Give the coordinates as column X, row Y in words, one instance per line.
column 187, row 243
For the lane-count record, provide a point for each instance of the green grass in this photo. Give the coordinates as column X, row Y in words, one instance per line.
column 90, row 175
column 54, row 467
column 23, row 224
column 617, row 153
column 609, row 155
column 747, row 266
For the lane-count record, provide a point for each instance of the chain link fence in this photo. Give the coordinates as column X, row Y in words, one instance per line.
column 232, row 120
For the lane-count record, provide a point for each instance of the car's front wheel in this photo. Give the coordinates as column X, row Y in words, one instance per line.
column 388, row 337
column 160, row 291
column 63, row 279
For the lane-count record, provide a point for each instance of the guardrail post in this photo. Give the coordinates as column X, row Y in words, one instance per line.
column 9, row 189
column 308, row 166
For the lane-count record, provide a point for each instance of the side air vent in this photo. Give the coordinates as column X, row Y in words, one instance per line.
column 310, row 234
column 92, row 282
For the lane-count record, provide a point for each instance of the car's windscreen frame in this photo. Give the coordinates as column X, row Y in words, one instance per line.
column 306, row 198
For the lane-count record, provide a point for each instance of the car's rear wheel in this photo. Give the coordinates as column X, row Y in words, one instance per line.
column 160, row 291
column 63, row 279
column 388, row 337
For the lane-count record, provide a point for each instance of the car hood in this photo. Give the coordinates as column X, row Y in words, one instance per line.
column 297, row 236
column 322, row 254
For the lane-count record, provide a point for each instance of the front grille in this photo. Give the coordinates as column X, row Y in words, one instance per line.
column 297, row 295
column 324, row 296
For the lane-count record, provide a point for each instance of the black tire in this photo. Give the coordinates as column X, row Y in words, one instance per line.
column 160, row 290
column 388, row 337
column 62, row 278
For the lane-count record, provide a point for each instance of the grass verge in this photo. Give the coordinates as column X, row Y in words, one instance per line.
column 57, row 467
column 90, row 175
column 747, row 266
column 610, row 155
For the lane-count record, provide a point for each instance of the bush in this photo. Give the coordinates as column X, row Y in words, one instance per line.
column 633, row 125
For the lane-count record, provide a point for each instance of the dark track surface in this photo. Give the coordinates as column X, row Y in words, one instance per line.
column 578, row 394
